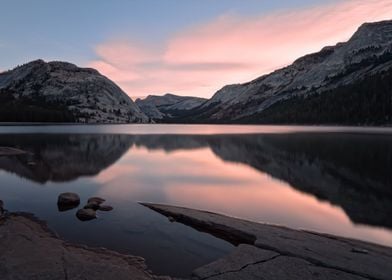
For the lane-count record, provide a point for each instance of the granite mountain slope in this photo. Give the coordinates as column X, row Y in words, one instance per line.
column 161, row 108
column 62, row 92
column 349, row 83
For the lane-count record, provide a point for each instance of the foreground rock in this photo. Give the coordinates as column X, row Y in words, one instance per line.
column 273, row 252
column 28, row 250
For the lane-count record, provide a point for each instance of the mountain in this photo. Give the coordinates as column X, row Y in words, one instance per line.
column 62, row 92
column 350, row 83
column 160, row 108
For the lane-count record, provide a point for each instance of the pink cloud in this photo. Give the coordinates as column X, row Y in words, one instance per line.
column 232, row 49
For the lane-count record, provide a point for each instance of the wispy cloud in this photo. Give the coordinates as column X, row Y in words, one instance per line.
column 231, row 49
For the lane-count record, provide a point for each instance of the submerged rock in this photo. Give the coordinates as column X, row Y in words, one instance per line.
column 97, row 200
column 92, row 205
column 86, row 214
column 105, row 208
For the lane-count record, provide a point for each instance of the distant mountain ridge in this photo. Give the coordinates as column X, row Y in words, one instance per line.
column 62, row 92
column 160, row 108
column 346, row 84
column 350, row 83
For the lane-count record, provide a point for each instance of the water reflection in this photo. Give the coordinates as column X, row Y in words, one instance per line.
column 337, row 183
column 62, row 158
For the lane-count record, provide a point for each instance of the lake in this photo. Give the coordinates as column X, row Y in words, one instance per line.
column 336, row 180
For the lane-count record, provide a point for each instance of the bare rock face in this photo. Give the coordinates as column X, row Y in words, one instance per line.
column 366, row 57
column 62, row 92
column 160, row 108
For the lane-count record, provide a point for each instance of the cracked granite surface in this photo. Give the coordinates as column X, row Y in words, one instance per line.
column 275, row 252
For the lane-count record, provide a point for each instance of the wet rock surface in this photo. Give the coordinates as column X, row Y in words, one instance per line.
column 29, row 250
column 274, row 252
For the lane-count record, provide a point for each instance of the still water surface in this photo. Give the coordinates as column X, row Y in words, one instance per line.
column 334, row 180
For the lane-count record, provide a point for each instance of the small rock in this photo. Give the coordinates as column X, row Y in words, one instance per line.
column 92, row 205
column 171, row 219
column 86, row 214
column 105, row 208
column 31, row 163
column 68, row 199
column 97, row 200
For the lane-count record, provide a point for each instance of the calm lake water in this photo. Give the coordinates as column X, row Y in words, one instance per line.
column 326, row 179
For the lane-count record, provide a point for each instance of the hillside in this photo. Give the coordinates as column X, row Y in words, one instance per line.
column 62, row 92
column 161, row 108
column 349, row 83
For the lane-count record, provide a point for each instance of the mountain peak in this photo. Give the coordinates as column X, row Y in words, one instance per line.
column 61, row 91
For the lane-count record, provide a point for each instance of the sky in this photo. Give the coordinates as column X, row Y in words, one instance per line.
column 185, row 47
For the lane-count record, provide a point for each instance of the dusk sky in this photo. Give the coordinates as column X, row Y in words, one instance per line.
column 186, row 47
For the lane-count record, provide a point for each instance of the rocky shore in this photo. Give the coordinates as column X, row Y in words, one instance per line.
column 30, row 250
column 274, row 252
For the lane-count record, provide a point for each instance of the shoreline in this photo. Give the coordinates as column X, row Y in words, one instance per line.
column 275, row 252
column 30, row 250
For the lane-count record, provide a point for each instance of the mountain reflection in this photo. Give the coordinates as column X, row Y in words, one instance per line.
column 62, row 158
column 352, row 171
